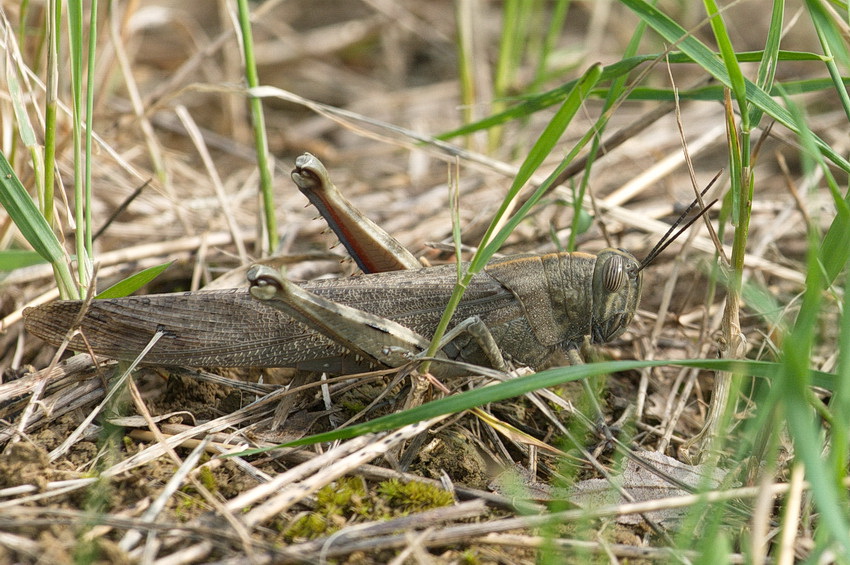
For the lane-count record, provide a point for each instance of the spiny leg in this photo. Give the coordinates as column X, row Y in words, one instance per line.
column 373, row 249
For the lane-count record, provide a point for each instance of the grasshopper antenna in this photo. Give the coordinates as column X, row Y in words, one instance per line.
column 667, row 239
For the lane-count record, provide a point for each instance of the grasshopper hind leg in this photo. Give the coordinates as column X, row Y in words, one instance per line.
column 373, row 249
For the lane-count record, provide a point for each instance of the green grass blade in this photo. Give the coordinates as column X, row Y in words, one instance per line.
column 840, row 402
column 490, row 243
column 261, row 145
column 734, row 149
column 26, row 131
column 555, row 27
column 32, row 225
column 824, row 263
column 708, row 60
column 11, row 259
column 770, row 59
column 617, row 92
column 715, row 92
column 835, row 245
column 829, row 31
column 25, row 215
column 90, row 75
column 545, row 379
column 51, row 102
column 133, row 283
column 75, row 43
column 542, row 101
column 510, row 52
column 465, row 59
column 22, row 119
column 834, row 47
column 794, row 381
column 727, row 52
column 531, row 104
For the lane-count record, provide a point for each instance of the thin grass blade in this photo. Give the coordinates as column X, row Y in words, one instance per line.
column 133, row 283
column 545, row 379
column 708, row 60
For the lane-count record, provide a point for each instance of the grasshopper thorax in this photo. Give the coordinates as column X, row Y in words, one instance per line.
column 616, row 293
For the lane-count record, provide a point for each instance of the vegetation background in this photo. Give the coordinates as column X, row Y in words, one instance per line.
column 600, row 119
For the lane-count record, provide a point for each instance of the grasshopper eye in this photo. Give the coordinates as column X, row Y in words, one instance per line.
column 614, row 273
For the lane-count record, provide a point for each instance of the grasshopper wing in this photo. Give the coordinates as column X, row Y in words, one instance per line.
column 230, row 329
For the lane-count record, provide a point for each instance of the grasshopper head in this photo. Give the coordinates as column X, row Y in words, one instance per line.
column 616, row 293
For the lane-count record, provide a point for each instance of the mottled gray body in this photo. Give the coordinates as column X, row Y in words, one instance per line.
column 536, row 307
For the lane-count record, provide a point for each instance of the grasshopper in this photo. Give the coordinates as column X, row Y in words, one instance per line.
column 534, row 310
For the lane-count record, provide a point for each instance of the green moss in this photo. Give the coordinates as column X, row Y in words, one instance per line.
column 185, row 507
column 353, row 407
column 469, row 557
column 207, row 478
column 189, row 501
column 336, row 503
column 347, row 500
column 413, row 496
